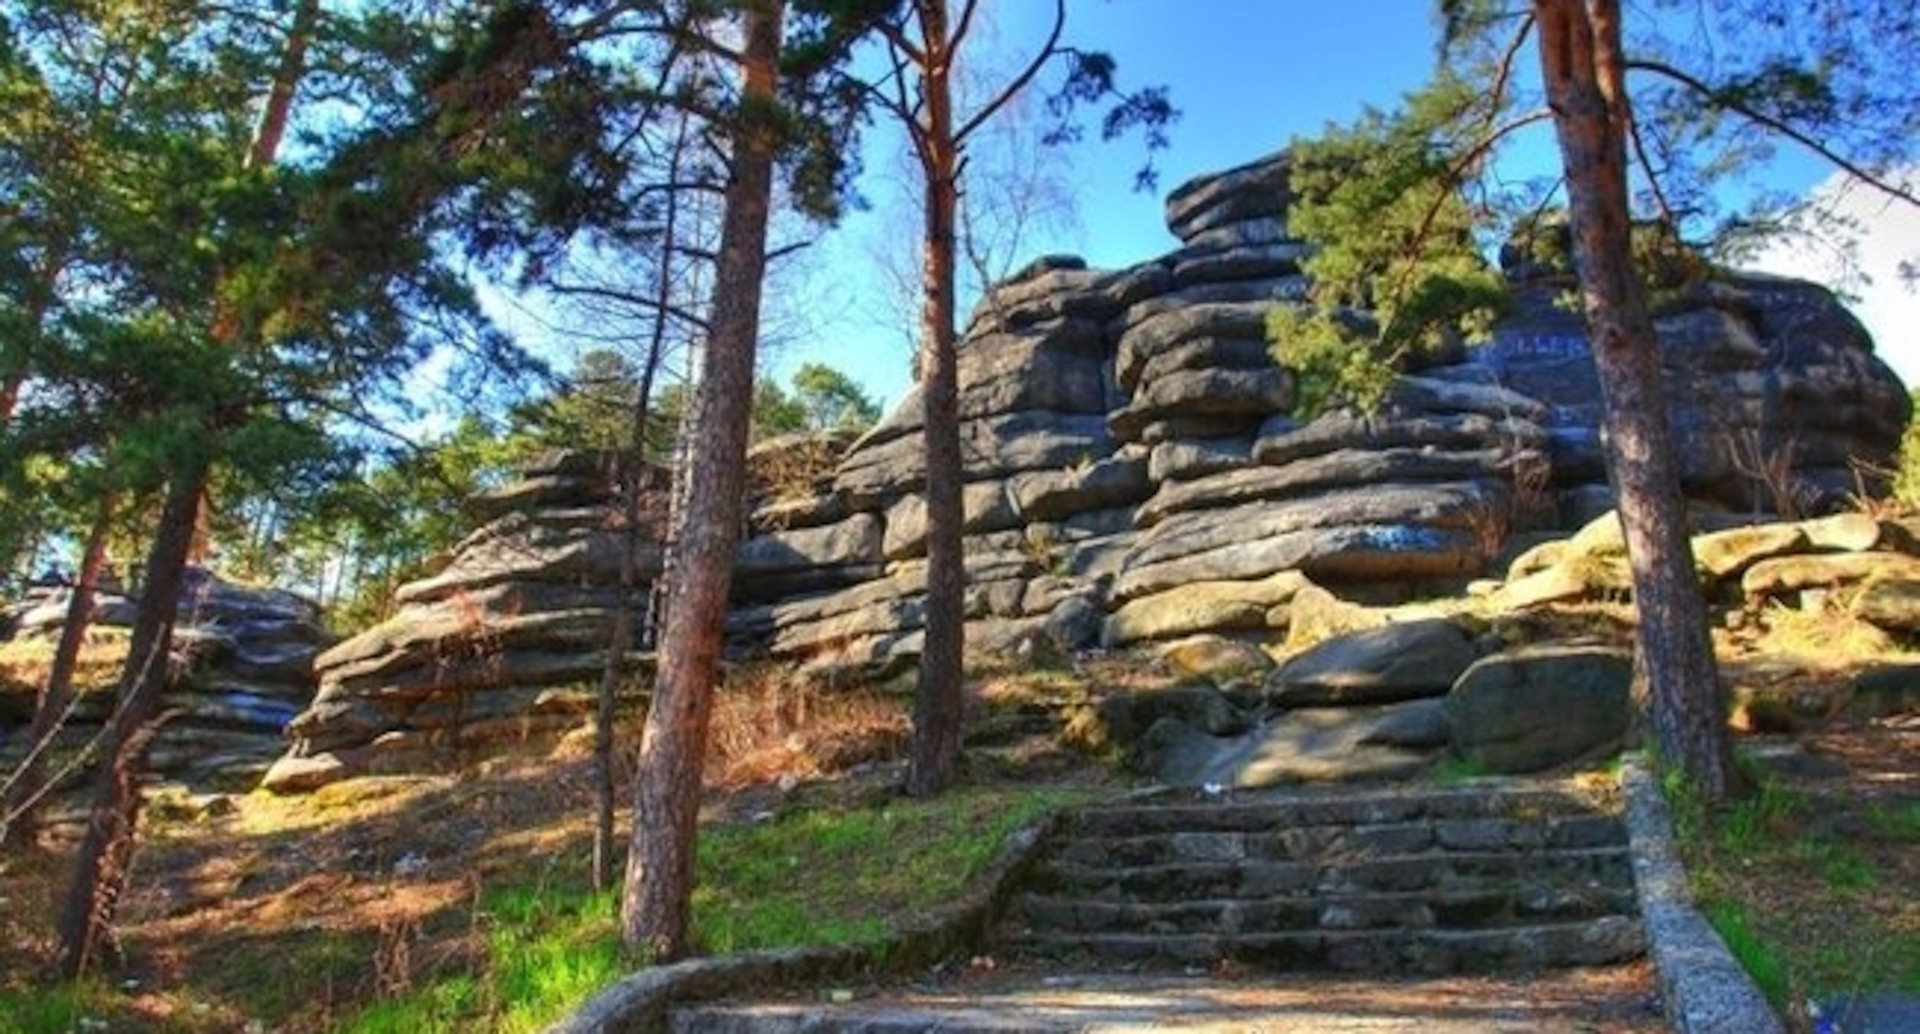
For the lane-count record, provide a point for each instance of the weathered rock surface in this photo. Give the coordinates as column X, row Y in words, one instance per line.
column 1309, row 745
column 242, row 668
column 1134, row 463
column 1891, row 603
column 1396, row 662
column 1534, row 708
column 474, row 660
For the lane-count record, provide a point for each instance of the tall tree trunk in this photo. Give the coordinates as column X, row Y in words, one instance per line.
column 102, row 868
column 50, row 711
column 938, row 701
column 272, row 127
column 659, row 877
column 1581, row 63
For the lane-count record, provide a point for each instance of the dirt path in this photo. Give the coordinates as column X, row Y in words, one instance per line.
column 1615, row 1000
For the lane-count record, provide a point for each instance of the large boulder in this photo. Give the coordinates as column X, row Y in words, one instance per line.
column 1401, row 661
column 1540, row 706
column 1310, row 745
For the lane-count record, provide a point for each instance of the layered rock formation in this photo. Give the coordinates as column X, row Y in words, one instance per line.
column 1474, row 678
column 1136, row 470
column 491, row 653
column 242, row 668
column 1129, row 437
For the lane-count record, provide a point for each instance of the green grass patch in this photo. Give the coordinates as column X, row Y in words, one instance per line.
column 1807, row 888
column 1453, row 770
column 59, row 1009
column 1896, row 822
column 819, row 877
column 1753, row 950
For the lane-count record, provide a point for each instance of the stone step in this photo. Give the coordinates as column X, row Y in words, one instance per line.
column 1269, row 812
column 1256, row 880
column 1592, row 942
column 1453, row 909
column 1302, row 843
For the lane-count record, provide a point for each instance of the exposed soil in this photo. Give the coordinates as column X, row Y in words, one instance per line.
column 1613, row 1000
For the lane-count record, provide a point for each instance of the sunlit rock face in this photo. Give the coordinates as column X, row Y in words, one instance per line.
column 241, row 667
column 1126, row 435
column 496, row 651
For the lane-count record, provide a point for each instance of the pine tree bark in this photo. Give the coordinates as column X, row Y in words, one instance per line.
column 938, row 701
column 1582, row 66
column 50, row 710
column 102, row 867
column 655, row 919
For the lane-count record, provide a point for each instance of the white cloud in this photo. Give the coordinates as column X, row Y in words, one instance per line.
column 1889, row 234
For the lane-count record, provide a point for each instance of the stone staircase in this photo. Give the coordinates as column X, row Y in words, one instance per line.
column 1493, row 876
column 1167, row 912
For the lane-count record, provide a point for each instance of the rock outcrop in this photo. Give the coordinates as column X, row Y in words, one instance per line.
column 1468, row 678
column 490, row 654
column 242, row 667
column 1137, row 471
column 1133, row 449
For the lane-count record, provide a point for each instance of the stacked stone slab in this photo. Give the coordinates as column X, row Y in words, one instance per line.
column 1774, row 394
column 1483, row 878
column 1048, row 490
column 492, row 653
column 242, row 668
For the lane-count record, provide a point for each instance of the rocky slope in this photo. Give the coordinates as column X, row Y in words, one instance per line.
column 1128, row 441
column 1496, row 677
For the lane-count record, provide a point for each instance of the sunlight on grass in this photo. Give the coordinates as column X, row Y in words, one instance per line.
column 813, row 877
column 1808, row 911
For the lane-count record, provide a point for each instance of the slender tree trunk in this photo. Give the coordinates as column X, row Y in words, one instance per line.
column 659, row 877
column 272, row 127
column 938, row 701
column 1581, row 63
column 56, row 698
column 633, row 471
column 619, row 638
column 102, row 868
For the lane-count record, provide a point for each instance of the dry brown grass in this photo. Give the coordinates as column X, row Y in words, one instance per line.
column 1773, row 471
column 1826, row 637
column 767, row 724
column 24, row 662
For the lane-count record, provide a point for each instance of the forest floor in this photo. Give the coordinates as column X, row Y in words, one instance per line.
column 424, row 903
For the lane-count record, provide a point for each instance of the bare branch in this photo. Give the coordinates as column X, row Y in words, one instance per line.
column 960, row 28
column 1499, row 90
column 1653, row 180
column 1766, row 121
column 1040, row 59
column 624, row 297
